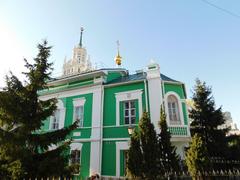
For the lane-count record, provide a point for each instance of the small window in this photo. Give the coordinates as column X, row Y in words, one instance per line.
column 79, row 115
column 75, row 159
column 129, row 112
column 55, row 119
column 173, row 110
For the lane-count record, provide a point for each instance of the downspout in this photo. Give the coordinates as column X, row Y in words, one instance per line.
column 163, row 94
column 146, row 94
column 101, row 130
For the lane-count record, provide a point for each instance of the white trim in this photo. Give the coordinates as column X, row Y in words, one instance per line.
column 116, row 139
column 120, row 146
column 79, row 101
column 122, row 125
column 127, row 96
column 76, row 146
column 179, row 107
column 122, row 83
column 69, row 93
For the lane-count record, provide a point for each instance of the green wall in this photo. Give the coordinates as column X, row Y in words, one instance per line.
column 87, row 109
column 85, row 160
column 177, row 88
column 109, row 111
column 109, row 158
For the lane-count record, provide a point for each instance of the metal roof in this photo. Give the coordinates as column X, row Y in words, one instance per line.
column 137, row 77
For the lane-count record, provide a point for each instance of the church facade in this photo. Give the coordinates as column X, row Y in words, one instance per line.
column 107, row 102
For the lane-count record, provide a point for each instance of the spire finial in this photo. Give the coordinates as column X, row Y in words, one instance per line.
column 118, row 58
column 118, row 45
column 80, row 42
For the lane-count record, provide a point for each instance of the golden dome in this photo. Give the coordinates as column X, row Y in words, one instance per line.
column 118, row 59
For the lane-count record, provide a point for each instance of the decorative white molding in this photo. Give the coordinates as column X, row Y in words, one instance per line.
column 127, row 96
column 179, row 106
column 79, row 101
column 77, row 134
column 69, row 93
column 120, row 146
column 76, row 146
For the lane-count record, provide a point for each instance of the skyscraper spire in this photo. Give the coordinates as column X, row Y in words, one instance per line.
column 80, row 42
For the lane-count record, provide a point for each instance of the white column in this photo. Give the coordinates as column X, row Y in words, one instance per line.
column 155, row 93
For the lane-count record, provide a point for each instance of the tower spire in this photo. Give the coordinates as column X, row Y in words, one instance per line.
column 80, row 42
column 118, row 58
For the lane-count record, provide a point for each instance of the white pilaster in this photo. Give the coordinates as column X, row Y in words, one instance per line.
column 155, row 93
column 96, row 131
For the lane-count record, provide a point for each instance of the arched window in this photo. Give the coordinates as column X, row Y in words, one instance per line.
column 173, row 110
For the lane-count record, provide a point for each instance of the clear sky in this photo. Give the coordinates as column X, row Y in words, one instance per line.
column 188, row 38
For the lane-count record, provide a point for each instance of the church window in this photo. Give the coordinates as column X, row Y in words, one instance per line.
column 173, row 110
column 75, row 159
column 79, row 115
column 75, row 156
column 129, row 112
column 55, row 119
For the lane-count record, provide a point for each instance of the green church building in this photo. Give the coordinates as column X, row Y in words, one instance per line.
column 107, row 102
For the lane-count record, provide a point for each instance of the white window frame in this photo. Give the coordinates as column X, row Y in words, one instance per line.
column 78, row 102
column 62, row 110
column 76, row 146
column 180, row 110
column 128, row 96
column 120, row 146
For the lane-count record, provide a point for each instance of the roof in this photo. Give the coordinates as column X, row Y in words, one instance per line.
column 83, row 76
column 138, row 77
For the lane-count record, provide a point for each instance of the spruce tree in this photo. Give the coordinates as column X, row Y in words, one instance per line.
column 207, row 119
column 134, row 158
column 197, row 159
column 169, row 160
column 24, row 150
column 149, row 145
column 143, row 152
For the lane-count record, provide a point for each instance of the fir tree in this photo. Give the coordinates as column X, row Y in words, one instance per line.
column 197, row 159
column 169, row 160
column 24, row 151
column 207, row 119
column 134, row 158
column 148, row 139
column 143, row 152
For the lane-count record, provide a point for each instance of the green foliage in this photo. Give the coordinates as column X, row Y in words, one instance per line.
column 169, row 160
column 143, row 152
column 134, row 158
column 206, row 120
column 196, row 157
column 24, row 151
column 149, row 145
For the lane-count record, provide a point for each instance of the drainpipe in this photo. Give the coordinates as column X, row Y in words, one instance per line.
column 146, row 96
column 101, row 130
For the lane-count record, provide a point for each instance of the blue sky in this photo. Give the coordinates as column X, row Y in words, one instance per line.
column 188, row 38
